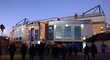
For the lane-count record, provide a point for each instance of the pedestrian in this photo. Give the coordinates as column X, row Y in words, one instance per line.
column 41, row 50
column 93, row 50
column 70, row 50
column 0, row 50
column 86, row 52
column 12, row 50
column 104, row 47
column 75, row 50
column 55, row 52
column 32, row 51
column 23, row 51
column 63, row 52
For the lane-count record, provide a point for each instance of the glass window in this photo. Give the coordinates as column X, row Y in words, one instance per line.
column 77, row 32
column 20, row 38
column 95, row 33
column 18, row 33
column 32, row 34
column 58, row 32
column 67, row 32
column 70, row 22
column 36, row 34
column 50, row 32
column 16, row 38
column 101, row 29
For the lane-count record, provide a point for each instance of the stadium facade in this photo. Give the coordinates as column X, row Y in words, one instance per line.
column 61, row 29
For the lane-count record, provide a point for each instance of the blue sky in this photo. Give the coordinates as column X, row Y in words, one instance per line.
column 12, row 11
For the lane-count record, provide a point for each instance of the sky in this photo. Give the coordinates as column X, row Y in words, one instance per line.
column 13, row 11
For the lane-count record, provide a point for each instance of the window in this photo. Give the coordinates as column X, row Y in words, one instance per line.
column 95, row 33
column 77, row 32
column 58, row 32
column 32, row 34
column 20, row 38
column 36, row 34
column 67, row 32
column 18, row 33
column 101, row 29
column 50, row 32
column 16, row 38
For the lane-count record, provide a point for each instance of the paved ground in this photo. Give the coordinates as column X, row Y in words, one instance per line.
column 99, row 56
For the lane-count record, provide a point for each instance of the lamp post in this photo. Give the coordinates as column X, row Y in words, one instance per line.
column 2, row 27
column 84, row 43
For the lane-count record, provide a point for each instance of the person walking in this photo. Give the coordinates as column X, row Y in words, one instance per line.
column 41, row 50
column 104, row 47
column 23, row 51
column 75, row 50
column 12, row 50
column 0, row 50
column 93, row 50
column 32, row 51
column 86, row 52
column 70, row 51
column 55, row 52
column 63, row 52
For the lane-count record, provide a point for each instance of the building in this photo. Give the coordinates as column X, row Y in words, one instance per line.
column 69, row 30
column 63, row 29
column 108, row 30
column 28, row 32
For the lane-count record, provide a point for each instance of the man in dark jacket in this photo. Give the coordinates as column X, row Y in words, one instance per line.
column 32, row 51
column 104, row 47
column 86, row 52
column 23, row 51
column 12, row 50
column 63, row 52
column 0, row 50
column 93, row 50
column 41, row 49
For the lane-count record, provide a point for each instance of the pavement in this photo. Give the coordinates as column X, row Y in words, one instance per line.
column 80, row 56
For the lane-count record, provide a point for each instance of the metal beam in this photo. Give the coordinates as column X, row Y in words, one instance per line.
column 25, row 20
column 108, row 24
column 98, row 7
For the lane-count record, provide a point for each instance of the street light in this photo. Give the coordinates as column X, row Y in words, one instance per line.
column 82, row 25
column 84, row 38
column 2, row 27
column 84, row 43
column 5, row 30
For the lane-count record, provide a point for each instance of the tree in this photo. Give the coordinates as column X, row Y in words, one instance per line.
column 99, row 37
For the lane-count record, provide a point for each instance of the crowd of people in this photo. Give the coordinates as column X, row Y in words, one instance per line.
column 57, row 51
column 92, row 49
